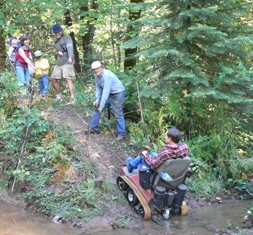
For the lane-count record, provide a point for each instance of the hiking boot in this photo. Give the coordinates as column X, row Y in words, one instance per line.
column 71, row 101
column 120, row 138
column 58, row 98
column 92, row 131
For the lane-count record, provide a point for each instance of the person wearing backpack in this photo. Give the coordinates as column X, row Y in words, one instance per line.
column 64, row 67
column 42, row 70
column 12, row 50
column 23, row 60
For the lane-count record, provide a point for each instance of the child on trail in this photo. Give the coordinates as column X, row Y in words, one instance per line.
column 42, row 70
column 172, row 150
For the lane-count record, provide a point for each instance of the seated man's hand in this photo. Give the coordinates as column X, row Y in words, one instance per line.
column 144, row 152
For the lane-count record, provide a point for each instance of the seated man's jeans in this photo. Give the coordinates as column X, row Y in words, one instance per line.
column 138, row 160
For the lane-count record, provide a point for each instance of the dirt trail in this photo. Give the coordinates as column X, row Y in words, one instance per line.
column 108, row 156
column 102, row 149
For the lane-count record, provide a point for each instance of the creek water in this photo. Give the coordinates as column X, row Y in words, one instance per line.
column 14, row 221
column 204, row 221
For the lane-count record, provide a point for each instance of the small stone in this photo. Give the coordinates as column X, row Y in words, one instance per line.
column 219, row 199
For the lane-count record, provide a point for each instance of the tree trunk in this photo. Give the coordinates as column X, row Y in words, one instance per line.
column 2, row 51
column 68, row 22
column 130, row 61
column 87, row 39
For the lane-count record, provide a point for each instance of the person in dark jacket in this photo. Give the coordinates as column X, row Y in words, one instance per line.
column 64, row 67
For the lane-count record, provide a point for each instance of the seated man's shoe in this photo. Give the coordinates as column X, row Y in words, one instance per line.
column 120, row 138
column 92, row 131
column 129, row 168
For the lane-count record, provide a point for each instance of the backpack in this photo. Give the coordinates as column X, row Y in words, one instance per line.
column 11, row 54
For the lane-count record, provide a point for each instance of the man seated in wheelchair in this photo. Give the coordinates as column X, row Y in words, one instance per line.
column 172, row 149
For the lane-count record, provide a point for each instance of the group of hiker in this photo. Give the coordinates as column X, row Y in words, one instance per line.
column 21, row 58
column 109, row 90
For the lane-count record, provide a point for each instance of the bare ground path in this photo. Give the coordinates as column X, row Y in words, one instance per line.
column 102, row 149
column 108, row 155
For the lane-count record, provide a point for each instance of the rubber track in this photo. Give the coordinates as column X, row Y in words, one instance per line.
column 144, row 203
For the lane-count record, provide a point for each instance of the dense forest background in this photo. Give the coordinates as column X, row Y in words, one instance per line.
column 184, row 63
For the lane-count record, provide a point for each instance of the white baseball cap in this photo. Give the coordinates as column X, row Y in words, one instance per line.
column 38, row 53
column 95, row 65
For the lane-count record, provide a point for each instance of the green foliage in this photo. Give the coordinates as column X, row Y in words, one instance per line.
column 207, row 187
column 14, row 129
column 221, row 152
column 9, row 91
column 199, row 168
column 251, row 209
column 244, row 188
column 201, row 65
column 151, row 132
column 79, row 200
